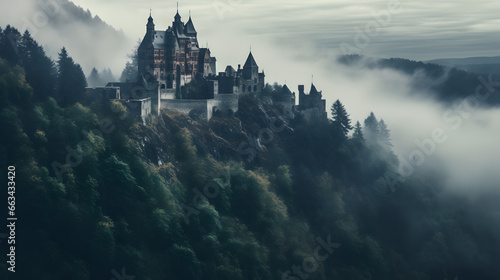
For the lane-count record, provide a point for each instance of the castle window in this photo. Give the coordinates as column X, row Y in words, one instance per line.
column 254, row 88
column 249, row 88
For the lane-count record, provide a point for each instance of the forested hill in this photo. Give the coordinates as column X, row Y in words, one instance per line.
column 258, row 195
column 444, row 83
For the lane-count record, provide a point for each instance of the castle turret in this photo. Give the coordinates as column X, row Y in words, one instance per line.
column 178, row 25
column 146, row 50
column 251, row 81
column 314, row 92
column 150, row 27
column 250, row 69
column 189, row 27
column 313, row 100
column 301, row 90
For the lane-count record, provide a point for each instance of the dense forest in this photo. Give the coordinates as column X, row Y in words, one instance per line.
column 261, row 194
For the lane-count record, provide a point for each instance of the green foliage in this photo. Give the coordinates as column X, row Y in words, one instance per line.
column 97, row 201
column 9, row 44
column 340, row 119
column 71, row 80
column 198, row 88
column 40, row 70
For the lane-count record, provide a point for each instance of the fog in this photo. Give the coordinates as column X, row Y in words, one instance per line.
column 468, row 157
column 59, row 23
column 467, row 152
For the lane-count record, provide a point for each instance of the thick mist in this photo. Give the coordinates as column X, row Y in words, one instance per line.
column 459, row 140
column 59, row 23
column 466, row 155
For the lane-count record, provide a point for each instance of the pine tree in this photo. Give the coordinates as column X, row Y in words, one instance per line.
column 371, row 129
column 107, row 76
column 385, row 135
column 340, row 118
column 40, row 70
column 358, row 133
column 71, row 80
column 94, row 79
column 9, row 44
column 131, row 71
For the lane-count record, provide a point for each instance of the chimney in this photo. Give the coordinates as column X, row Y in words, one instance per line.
column 301, row 89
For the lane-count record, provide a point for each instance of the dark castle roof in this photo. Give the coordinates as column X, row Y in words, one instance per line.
column 250, row 62
column 285, row 91
column 159, row 39
column 177, row 16
column 230, row 72
column 314, row 91
column 189, row 27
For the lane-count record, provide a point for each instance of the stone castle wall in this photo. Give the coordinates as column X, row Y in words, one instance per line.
column 202, row 108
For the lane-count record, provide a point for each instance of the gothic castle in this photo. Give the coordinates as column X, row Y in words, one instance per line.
column 171, row 64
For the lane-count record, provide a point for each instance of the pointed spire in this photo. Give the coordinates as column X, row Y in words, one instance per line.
column 250, row 61
column 177, row 16
column 189, row 27
column 150, row 19
column 314, row 91
column 150, row 26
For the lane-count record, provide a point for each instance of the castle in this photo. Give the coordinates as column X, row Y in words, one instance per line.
column 176, row 74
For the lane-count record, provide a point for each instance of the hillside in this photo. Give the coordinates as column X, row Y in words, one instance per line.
column 259, row 194
column 100, row 195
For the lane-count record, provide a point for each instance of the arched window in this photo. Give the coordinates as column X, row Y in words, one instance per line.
column 249, row 88
column 254, row 88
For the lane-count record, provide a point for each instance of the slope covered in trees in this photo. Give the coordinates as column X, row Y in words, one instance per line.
column 259, row 195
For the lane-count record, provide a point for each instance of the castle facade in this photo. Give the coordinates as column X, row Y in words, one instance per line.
column 174, row 73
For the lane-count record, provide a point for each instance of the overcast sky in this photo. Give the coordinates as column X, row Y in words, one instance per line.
column 418, row 29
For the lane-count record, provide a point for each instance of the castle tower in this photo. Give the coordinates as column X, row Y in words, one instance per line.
column 177, row 24
column 150, row 27
column 313, row 100
column 250, row 80
column 250, row 69
column 314, row 92
column 146, row 51
column 189, row 28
